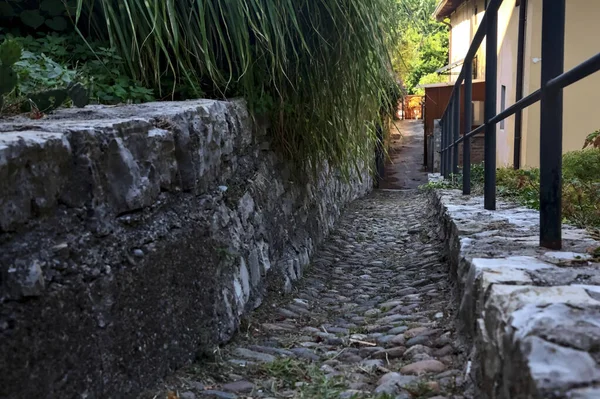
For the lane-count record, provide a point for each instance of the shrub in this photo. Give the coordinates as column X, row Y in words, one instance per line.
column 582, row 165
column 52, row 61
column 580, row 192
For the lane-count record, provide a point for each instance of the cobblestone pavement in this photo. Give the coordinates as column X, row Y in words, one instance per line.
column 404, row 169
column 372, row 318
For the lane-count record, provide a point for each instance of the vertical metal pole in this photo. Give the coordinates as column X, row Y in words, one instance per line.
column 519, row 83
column 468, row 126
column 446, row 152
column 551, row 124
column 449, row 158
column 443, row 153
column 448, row 135
column 451, row 135
column 491, row 69
column 456, row 110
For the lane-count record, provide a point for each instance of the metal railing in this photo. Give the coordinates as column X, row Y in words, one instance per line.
column 553, row 80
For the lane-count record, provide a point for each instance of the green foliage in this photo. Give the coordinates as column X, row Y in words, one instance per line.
column 35, row 15
column 8, row 79
column 428, row 79
column 522, row 185
column 100, row 70
column 38, row 72
column 319, row 69
column 592, row 140
column 10, row 52
column 423, row 47
column 582, row 165
column 106, row 73
column 580, row 191
column 581, row 187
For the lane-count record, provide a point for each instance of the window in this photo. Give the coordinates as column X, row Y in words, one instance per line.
column 478, row 113
column 502, row 104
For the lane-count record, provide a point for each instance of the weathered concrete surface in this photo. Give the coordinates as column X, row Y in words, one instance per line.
column 134, row 238
column 372, row 317
column 532, row 315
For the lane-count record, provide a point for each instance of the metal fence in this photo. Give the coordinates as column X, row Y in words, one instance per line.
column 554, row 79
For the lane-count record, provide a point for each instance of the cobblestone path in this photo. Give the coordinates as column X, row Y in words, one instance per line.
column 372, row 318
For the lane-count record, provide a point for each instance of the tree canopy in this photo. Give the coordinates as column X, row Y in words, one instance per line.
column 423, row 46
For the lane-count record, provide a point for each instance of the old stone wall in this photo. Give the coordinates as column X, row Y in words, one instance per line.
column 531, row 315
column 134, row 238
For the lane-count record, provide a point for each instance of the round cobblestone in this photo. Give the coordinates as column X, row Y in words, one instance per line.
column 371, row 315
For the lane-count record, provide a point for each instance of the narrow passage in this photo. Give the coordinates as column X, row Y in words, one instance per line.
column 404, row 169
column 372, row 318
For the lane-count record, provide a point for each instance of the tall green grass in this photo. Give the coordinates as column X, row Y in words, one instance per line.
column 319, row 68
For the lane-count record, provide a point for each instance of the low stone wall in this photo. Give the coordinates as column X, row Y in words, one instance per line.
column 532, row 315
column 134, row 238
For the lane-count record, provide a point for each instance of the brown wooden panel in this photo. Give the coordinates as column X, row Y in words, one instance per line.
column 436, row 101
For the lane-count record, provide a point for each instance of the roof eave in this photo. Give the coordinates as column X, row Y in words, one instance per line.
column 438, row 10
column 445, row 8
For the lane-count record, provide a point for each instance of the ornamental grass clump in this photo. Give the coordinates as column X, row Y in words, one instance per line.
column 320, row 69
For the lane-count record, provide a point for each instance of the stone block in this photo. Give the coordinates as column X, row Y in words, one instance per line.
column 134, row 238
column 531, row 315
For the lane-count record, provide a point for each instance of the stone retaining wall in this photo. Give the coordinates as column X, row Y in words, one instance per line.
column 134, row 238
column 532, row 315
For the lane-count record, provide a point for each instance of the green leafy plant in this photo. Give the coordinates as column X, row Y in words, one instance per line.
column 423, row 47
column 10, row 53
column 580, row 190
column 582, row 165
column 38, row 72
column 592, row 140
column 99, row 69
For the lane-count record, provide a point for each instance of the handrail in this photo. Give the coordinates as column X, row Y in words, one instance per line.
column 474, row 47
column 554, row 79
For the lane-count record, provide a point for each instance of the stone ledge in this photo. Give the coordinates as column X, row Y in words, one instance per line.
column 115, row 160
column 134, row 239
column 532, row 315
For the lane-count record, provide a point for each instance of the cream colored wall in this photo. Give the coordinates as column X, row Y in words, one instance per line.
column 581, row 101
column 481, row 51
column 464, row 23
column 508, row 27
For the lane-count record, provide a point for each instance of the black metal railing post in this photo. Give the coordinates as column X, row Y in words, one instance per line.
column 450, row 134
column 447, row 134
column 491, row 72
column 442, row 143
column 468, row 125
column 551, row 124
column 519, row 84
column 456, row 136
column 443, row 146
column 448, row 153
